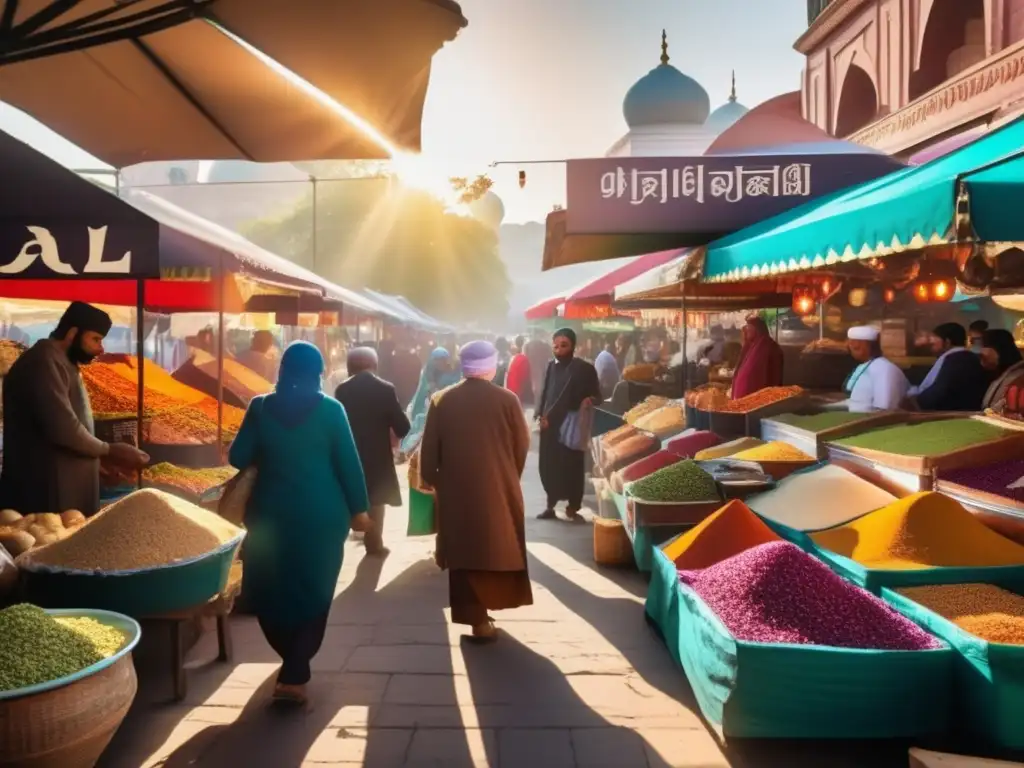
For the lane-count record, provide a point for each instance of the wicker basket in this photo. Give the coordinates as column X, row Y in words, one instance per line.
column 611, row 544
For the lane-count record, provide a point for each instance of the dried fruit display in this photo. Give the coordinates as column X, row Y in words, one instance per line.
column 195, row 481
column 759, row 399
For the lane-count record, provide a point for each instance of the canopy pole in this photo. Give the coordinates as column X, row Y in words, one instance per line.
column 140, row 353
column 686, row 361
column 821, row 320
column 220, row 356
column 315, row 223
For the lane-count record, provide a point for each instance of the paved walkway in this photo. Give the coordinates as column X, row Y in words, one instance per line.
column 577, row 680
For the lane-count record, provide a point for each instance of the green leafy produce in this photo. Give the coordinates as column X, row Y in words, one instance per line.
column 819, row 422
column 930, row 438
column 684, row 481
column 36, row 647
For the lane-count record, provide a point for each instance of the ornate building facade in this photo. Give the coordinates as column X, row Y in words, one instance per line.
column 913, row 78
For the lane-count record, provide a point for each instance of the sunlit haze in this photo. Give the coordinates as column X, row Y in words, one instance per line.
column 537, row 80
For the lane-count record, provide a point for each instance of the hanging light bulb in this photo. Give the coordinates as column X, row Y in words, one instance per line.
column 942, row 290
column 858, row 297
column 921, row 292
column 804, row 300
column 522, row 179
column 889, row 295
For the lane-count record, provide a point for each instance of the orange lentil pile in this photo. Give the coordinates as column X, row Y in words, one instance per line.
column 759, row 399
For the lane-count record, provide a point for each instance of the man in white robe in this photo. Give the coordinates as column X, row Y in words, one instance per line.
column 876, row 384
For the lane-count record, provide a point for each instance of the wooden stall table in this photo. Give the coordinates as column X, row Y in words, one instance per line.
column 219, row 608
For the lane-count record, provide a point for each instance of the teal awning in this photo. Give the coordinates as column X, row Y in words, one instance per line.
column 908, row 209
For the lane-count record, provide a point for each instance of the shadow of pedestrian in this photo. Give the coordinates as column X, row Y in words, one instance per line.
column 531, row 716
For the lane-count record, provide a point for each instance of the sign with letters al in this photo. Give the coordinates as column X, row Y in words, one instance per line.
column 712, row 195
column 42, row 248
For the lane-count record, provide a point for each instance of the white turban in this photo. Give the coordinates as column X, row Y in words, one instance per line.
column 863, row 333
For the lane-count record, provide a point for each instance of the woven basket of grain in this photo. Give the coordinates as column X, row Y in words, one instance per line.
column 68, row 723
column 611, row 544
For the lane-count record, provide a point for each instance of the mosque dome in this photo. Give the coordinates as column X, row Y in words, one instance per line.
column 665, row 96
column 729, row 113
column 489, row 210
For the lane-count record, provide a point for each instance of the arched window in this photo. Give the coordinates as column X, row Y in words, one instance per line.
column 954, row 39
column 858, row 102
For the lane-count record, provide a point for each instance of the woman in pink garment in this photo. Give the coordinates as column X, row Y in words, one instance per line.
column 760, row 362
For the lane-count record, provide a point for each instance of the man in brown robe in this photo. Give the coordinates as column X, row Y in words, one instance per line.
column 473, row 453
column 51, row 456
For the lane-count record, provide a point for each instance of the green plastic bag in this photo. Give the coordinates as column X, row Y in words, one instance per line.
column 776, row 690
column 988, row 680
column 422, row 520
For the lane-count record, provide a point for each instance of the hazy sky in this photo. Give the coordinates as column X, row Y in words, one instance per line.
column 545, row 79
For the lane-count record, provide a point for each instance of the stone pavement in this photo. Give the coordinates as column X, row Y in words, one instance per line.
column 578, row 679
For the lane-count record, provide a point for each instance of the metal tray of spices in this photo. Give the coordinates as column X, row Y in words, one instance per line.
column 973, row 455
column 731, row 426
column 1000, row 513
column 649, row 514
column 814, row 443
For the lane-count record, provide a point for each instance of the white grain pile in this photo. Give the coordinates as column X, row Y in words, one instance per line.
column 819, row 499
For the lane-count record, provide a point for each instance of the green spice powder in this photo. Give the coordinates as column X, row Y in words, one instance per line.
column 931, row 438
column 819, row 422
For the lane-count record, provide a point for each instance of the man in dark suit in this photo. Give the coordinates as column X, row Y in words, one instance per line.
column 957, row 381
column 375, row 415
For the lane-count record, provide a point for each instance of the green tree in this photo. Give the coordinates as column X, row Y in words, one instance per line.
column 372, row 232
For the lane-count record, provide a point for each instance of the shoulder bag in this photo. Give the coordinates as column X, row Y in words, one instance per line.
column 574, row 433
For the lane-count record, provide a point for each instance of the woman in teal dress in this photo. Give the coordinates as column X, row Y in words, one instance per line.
column 309, row 486
column 438, row 373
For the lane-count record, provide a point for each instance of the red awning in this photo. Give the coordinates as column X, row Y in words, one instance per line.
column 604, row 286
column 543, row 310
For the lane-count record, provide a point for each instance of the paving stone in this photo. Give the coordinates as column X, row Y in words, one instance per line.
column 394, row 659
column 387, row 746
column 535, row 748
column 453, row 748
column 681, row 748
column 608, row 748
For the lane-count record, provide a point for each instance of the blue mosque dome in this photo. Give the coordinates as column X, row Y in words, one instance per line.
column 666, row 96
column 729, row 113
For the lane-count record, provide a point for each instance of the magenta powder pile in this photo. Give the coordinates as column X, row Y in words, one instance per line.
column 688, row 446
column 777, row 593
column 991, row 479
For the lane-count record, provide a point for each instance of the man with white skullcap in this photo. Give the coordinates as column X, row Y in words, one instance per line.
column 876, row 384
column 473, row 453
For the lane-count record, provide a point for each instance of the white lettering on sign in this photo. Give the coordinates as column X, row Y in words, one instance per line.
column 43, row 246
column 693, row 182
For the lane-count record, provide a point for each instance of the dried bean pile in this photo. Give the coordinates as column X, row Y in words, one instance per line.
column 145, row 529
column 642, row 468
column 683, row 481
column 649, row 405
column 819, row 422
column 690, row 445
column 930, row 438
column 776, row 593
column 726, row 450
column 728, row 532
column 759, row 399
column 991, row 479
column 773, row 451
column 37, row 647
column 924, row 530
column 983, row 610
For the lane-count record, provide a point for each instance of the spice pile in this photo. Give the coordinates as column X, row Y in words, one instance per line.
column 807, row 501
column 38, row 647
column 194, row 481
column 995, row 478
column 759, row 399
column 145, row 529
column 10, row 351
column 726, row 450
column 664, row 422
column 649, row 405
column 983, row 610
column 711, row 398
column 925, row 530
column 692, row 443
column 642, row 468
column 820, row 422
column 773, row 451
column 728, row 532
column 174, row 412
column 642, row 373
column 930, row 438
column 633, row 448
column 238, row 379
column 680, row 482
column 776, row 593
column 19, row 534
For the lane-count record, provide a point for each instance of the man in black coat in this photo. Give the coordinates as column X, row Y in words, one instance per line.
column 957, row 381
column 375, row 414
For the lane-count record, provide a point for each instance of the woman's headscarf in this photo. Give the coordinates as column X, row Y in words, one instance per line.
column 760, row 363
column 1005, row 347
column 432, row 379
column 299, row 384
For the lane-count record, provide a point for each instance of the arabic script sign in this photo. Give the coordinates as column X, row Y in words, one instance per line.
column 711, row 196
column 34, row 251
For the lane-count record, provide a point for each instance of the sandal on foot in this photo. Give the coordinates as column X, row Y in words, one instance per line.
column 547, row 514
column 292, row 695
column 485, row 633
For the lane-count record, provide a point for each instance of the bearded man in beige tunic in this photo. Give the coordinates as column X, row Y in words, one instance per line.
column 473, row 453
